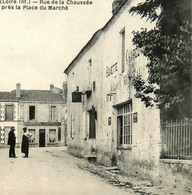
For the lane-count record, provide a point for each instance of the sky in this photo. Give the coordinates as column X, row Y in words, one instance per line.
column 36, row 46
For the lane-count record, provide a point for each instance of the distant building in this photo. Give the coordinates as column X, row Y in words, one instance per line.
column 43, row 112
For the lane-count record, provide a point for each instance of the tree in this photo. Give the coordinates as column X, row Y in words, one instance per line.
column 168, row 49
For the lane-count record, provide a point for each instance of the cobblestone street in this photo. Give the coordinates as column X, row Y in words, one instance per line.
column 52, row 171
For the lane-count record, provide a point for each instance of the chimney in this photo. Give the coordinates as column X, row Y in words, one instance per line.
column 18, row 90
column 51, row 87
column 116, row 5
column 65, row 91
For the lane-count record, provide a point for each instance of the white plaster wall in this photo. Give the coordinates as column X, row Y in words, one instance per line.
column 105, row 53
column 42, row 112
column 145, row 147
column 83, row 75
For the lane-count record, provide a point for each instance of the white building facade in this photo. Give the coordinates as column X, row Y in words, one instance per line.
column 43, row 112
column 105, row 120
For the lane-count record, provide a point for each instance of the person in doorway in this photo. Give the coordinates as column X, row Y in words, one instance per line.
column 11, row 143
column 25, row 143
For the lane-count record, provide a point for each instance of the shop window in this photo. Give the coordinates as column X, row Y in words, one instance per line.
column 124, row 124
column 32, row 138
column 52, row 135
column 31, row 112
column 9, row 112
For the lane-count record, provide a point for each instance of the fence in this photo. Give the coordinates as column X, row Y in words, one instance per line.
column 177, row 140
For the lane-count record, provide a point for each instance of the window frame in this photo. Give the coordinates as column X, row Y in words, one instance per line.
column 122, row 49
column 125, row 125
column 12, row 114
column 59, row 133
column 92, row 123
column 32, row 141
column 55, row 138
column 53, row 115
column 32, row 118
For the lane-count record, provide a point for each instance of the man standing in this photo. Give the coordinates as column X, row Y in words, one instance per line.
column 25, row 143
column 11, row 142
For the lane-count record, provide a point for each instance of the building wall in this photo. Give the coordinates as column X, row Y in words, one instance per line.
column 43, row 121
column 143, row 154
column 114, row 88
column 6, row 124
column 42, row 111
column 83, row 75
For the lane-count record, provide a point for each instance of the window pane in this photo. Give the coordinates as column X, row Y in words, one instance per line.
column 9, row 112
column 32, row 138
column 92, row 127
column 53, row 113
column 52, row 135
column 123, row 50
column 125, row 124
column 59, row 134
column 31, row 112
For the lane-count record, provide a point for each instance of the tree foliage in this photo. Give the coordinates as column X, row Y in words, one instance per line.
column 168, row 49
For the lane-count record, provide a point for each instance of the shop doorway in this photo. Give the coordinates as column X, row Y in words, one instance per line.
column 41, row 137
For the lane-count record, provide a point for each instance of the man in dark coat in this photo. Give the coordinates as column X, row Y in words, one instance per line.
column 11, row 142
column 25, row 143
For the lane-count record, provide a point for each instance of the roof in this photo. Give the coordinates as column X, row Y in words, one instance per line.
column 96, row 36
column 8, row 96
column 31, row 95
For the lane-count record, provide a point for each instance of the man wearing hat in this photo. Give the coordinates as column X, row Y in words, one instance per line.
column 25, row 142
column 11, row 142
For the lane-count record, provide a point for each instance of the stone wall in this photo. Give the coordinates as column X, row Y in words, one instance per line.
column 176, row 173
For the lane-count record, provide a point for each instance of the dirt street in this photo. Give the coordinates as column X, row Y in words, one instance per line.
column 50, row 171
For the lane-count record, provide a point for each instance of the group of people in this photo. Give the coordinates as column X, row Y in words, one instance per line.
column 24, row 144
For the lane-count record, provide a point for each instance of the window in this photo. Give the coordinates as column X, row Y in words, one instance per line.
column 52, row 135
column 9, row 112
column 31, row 112
column 59, row 134
column 122, row 50
column 109, row 98
column 124, row 124
column 109, row 120
column 94, row 85
column 53, row 113
column 32, row 138
column 72, row 126
column 92, row 124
